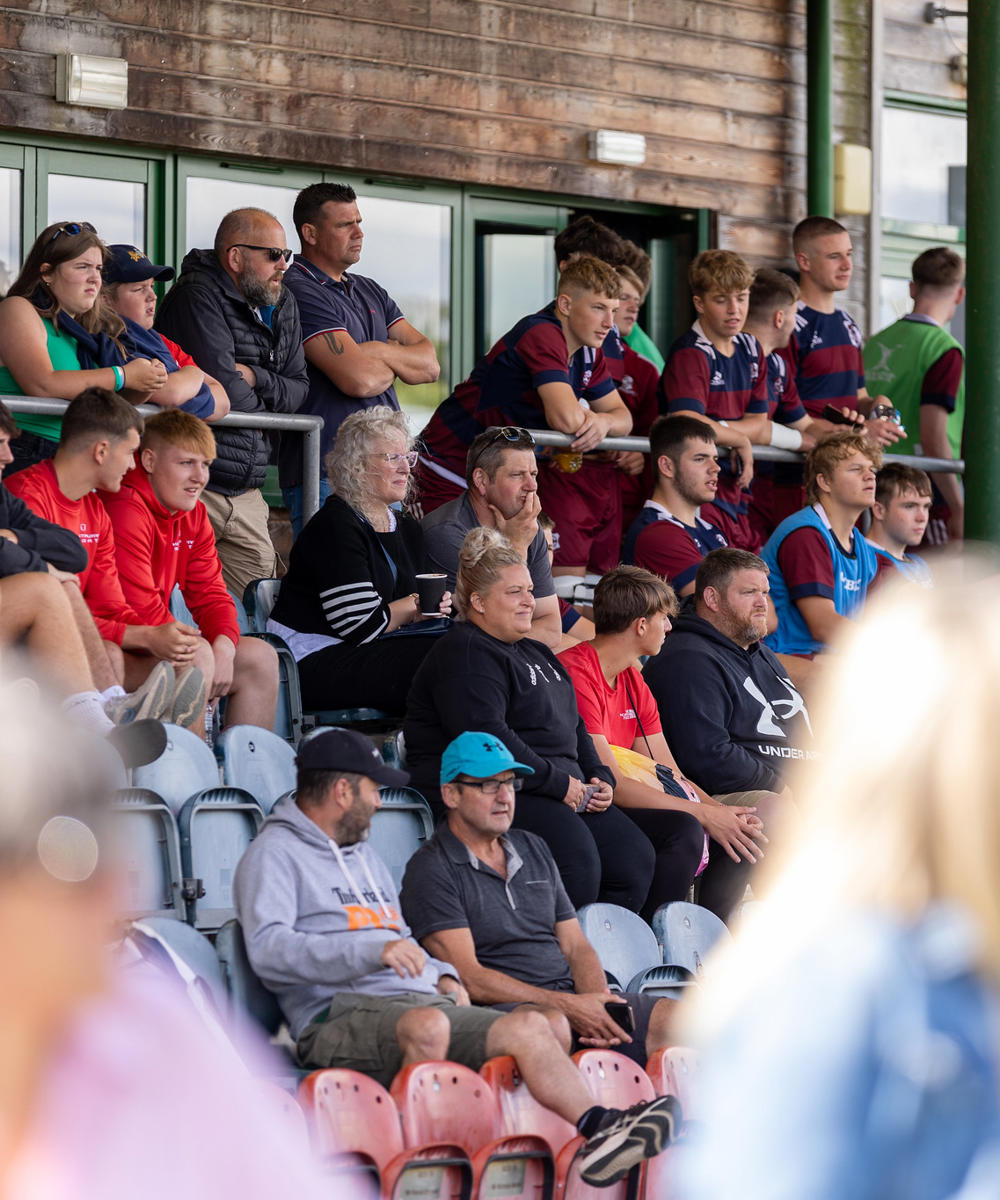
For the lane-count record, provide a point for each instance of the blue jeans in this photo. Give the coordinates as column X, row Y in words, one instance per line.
column 292, row 497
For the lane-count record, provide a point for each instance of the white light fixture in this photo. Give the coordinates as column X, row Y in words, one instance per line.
column 617, row 146
column 92, row 81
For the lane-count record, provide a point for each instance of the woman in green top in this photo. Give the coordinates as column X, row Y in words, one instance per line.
column 57, row 336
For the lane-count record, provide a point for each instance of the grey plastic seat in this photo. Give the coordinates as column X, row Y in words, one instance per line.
column 258, row 761
column 197, row 952
column 627, row 948
column 399, row 828
column 186, row 766
column 216, row 826
column 148, row 845
column 250, row 1001
column 687, row 934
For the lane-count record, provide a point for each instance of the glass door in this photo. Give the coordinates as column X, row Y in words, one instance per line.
column 112, row 192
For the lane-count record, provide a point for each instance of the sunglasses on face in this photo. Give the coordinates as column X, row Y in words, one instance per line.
column 72, row 228
column 273, row 252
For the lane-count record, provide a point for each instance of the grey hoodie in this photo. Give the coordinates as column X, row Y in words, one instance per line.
column 309, row 933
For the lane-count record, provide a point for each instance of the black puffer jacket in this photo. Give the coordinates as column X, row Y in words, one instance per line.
column 206, row 315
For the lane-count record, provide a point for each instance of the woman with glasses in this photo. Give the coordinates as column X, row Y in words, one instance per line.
column 487, row 673
column 58, row 336
column 348, row 606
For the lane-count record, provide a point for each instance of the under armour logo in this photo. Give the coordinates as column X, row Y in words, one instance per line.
column 767, row 722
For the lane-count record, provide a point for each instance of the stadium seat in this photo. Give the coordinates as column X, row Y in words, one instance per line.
column 251, row 1004
column 628, row 951
column 356, row 1131
column 186, row 766
column 672, row 1072
column 287, row 1113
column 399, row 828
column 150, row 849
column 445, row 1101
column 258, row 761
column 258, row 600
column 216, row 826
column 687, row 932
column 196, row 952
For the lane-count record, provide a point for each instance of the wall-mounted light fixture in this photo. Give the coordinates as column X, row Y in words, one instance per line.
column 91, row 81
column 937, row 12
column 617, row 146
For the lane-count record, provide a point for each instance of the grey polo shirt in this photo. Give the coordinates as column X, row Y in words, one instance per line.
column 512, row 920
column 444, row 531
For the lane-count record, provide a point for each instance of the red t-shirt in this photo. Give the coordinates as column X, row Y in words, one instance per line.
column 38, row 487
column 610, row 712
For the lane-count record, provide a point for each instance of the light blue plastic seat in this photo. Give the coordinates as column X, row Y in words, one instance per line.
column 628, row 950
column 216, row 826
column 197, row 953
column 687, row 934
column 149, row 848
column 257, row 760
column 399, row 828
column 252, row 1005
column 186, row 766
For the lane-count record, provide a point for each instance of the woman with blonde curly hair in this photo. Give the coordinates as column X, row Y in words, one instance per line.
column 351, row 581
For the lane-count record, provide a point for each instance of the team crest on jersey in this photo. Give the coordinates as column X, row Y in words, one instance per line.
column 853, row 332
column 585, row 381
column 627, row 385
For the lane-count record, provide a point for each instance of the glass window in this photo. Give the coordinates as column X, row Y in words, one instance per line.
column 208, row 201
column 923, row 166
column 407, row 249
column 116, row 207
column 518, row 271
column 10, row 226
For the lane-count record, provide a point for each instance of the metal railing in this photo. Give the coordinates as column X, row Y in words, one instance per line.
column 306, row 424
column 953, row 466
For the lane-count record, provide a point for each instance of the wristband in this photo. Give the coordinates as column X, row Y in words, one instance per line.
column 119, row 378
column 785, row 438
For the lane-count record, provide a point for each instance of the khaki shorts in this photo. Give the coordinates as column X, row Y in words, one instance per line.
column 241, row 537
column 359, row 1032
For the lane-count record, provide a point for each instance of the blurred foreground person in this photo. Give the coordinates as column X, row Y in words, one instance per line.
column 101, row 1065
column 850, row 1036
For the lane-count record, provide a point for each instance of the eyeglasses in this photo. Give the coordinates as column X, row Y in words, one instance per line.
column 491, row 787
column 394, row 460
column 72, row 228
column 273, row 252
column 507, row 433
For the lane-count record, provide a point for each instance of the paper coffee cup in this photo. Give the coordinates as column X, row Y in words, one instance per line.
column 431, row 589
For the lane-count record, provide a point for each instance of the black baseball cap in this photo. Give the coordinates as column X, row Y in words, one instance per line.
column 337, row 749
column 128, row 264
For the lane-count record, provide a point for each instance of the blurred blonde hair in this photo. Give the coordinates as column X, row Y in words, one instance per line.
column 899, row 809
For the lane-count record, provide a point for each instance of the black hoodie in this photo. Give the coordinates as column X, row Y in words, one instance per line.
column 731, row 716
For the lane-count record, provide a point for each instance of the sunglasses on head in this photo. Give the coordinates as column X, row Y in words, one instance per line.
column 506, row 433
column 72, row 228
column 273, row 252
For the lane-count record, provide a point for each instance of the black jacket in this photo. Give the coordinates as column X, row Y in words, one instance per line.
column 732, row 717
column 519, row 692
column 39, row 542
column 205, row 313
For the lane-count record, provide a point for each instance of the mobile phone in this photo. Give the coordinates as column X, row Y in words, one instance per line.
column 620, row 1011
column 588, row 791
column 836, row 417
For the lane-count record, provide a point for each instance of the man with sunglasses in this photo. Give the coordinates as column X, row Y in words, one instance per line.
column 357, row 341
column 502, row 476
column 230, row 310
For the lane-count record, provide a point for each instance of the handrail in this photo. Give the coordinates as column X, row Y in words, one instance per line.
column 306, row 424
column 953, row 466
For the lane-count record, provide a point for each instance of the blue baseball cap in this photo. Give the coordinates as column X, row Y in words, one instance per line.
column 128, row 264
column 480, row 755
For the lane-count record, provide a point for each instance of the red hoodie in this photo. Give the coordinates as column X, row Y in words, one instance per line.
column 157, row 548
column 38, row 487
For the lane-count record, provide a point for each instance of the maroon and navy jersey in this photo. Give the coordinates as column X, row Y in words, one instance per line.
column 638, row 388
column 784, row 404
column 503, row 387
column 613, row 349
column 663, row 544
column 825, row 359
column 697, row 378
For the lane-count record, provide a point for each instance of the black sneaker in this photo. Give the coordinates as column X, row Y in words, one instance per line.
column 626, row 1138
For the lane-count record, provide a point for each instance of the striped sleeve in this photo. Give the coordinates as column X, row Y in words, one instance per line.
column 355, row 612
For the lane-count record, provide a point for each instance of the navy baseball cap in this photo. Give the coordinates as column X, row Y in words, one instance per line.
column 128, row 264
column 480, row 755
column 337, row 749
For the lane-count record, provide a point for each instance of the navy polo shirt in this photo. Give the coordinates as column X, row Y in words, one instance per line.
column 354, row 305
column 512, row 920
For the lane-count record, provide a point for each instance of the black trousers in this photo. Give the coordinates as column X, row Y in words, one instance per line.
column 678, row 840
column 374, row 676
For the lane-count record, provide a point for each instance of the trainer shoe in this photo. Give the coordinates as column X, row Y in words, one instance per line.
column 626, row 1137
column 151, row 700
column 189, row 698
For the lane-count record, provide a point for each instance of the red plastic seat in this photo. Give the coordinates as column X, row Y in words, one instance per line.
column 521, row 1113
column 356, row 1130
column 445, row 1101
column 673, row 1071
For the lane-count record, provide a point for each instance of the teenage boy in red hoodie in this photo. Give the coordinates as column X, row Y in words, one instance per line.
column 162, row 538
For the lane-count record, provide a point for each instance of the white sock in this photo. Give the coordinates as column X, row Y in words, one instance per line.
column 88, row 709
column 115, row 692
